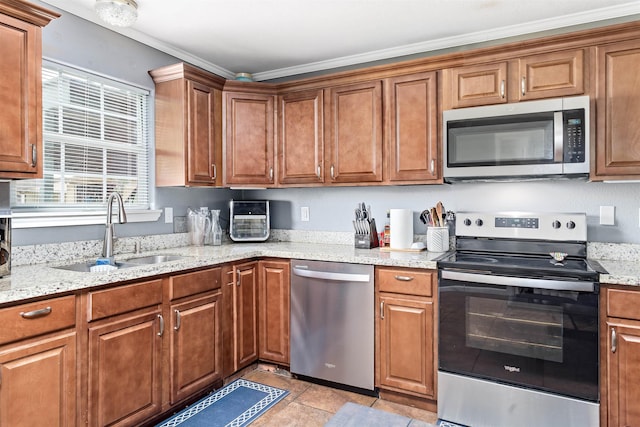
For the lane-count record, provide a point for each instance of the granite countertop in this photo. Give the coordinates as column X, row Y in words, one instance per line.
column 38, row 280
column 620, row 272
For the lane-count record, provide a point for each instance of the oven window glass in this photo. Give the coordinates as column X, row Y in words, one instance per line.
column 535, row 338
column 519, row 328
column 508, row 140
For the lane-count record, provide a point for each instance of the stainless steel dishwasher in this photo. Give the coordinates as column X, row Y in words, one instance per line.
column 332, row 322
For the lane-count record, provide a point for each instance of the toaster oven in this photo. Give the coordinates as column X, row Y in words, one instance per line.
column 249, row 221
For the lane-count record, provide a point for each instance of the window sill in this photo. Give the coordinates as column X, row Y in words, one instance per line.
column 62, row 219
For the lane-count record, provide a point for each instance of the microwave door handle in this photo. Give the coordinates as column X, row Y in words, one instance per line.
column 558, row 137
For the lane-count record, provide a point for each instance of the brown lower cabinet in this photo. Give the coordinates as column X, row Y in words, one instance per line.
column 38, row 364
column 405, row 338
column 126, row 330
column 274, row 301
column 620, row 358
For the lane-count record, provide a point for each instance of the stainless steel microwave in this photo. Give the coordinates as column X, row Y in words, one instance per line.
column 526, row 140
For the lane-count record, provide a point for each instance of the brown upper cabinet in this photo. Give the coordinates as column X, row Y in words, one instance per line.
column 21, row 88
column 412, row 128
column 300, row 137
column 188, row 106
column 249, row 152
column 617, row 153
column 545, row 75
column 353, row 133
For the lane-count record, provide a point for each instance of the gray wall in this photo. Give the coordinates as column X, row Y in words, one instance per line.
column 77, row 42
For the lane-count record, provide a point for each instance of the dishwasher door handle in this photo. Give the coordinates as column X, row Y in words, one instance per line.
column 329, row 275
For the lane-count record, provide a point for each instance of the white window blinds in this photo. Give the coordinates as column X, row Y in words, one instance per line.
column 96, row 136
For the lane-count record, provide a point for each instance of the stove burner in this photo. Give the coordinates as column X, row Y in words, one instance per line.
column 476, row 258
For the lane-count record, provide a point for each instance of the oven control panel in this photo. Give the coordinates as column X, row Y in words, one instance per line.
column 523, row 225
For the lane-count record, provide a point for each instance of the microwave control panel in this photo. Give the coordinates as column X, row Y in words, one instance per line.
column 574, row 136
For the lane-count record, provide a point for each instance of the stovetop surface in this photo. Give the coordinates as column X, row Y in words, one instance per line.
column 520, row 265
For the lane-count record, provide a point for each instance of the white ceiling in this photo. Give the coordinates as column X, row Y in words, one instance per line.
column 279, row 38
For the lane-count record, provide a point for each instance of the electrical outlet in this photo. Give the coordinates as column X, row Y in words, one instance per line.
column 304, row 213
column 607, row 215
column 168, row 215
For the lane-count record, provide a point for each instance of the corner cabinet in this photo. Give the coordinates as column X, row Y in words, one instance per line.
column 274, row 302
column 547, row 75
column 21, row 88
column 249, row 125
column 38, row 364
column 188, row 107
column 620, row 356
column 617, row 147
column 405, row 341
column 353, row 133
column 412, row 130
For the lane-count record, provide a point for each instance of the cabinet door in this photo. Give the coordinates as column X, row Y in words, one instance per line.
column 413, row 129
column 20, row 97
column 406, row 344
column 196, row 356
column 476, row 85
column 246, row 315
column 39, row 382
column 125, row 369
column 550, row 75
column 617, row 109
column 623, row 368
column 301, row 144
column 249, row 144
column 354, row 133
column 205, row 149
column 275, row 282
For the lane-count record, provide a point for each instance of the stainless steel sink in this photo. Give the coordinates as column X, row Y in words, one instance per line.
column 133, row 262
column 154, row 259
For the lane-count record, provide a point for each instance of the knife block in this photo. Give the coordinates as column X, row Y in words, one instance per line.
column 369, row 240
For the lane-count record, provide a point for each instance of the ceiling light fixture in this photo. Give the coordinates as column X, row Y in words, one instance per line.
column 120, row 13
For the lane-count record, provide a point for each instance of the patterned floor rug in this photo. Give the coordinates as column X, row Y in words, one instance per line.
column 235, row 405
column 354, row 415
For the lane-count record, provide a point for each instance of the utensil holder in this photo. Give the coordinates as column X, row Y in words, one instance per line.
column 437, row 239
column 368, row 240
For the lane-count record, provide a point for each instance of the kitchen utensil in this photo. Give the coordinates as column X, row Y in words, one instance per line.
column 441, row 213
column 434, row 217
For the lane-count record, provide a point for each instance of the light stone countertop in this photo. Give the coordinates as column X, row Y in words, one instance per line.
column 39, row 280
column 620, row 272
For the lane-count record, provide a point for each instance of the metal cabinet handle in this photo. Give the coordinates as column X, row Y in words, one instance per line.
column 333, row 176
column 432, row 166
column 614, row 340
column 34, row 155
column 502, row 89
column 178, row 318
column 215, row 171
column 271, row 174
column 381, row 310
column 523, row 85
column 404, row 278
column 161, row 319
column 318, row 172
column 36, row 313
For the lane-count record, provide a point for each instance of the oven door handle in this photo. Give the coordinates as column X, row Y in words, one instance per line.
column 558, row 285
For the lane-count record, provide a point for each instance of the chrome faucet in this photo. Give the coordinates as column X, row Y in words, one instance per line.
column 107, row 246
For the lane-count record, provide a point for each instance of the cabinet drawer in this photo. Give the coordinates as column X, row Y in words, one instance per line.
column 405, row 281
column 28, row 320
column 194, row 283
column 623, row 303
column 123, row 299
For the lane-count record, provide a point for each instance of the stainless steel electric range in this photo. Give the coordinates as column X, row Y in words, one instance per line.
column 518, row 322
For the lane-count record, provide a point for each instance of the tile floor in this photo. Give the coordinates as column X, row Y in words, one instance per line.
column 309, row 405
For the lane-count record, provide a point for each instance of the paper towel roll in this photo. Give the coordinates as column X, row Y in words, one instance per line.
column 401, row 223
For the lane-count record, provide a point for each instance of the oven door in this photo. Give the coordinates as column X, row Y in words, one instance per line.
column 533, row 333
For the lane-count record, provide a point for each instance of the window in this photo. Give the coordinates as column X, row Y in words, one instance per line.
column 95, row 134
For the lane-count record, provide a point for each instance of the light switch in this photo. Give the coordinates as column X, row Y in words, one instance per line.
column 168, row 215
column 304, row 213
column 607, row 215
